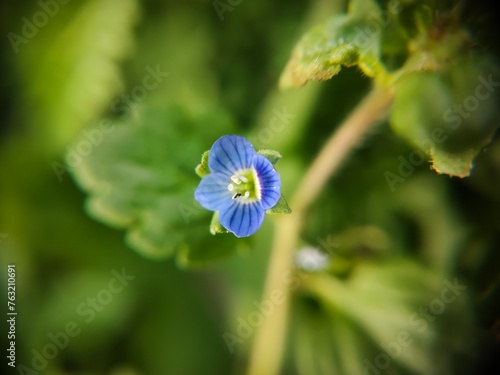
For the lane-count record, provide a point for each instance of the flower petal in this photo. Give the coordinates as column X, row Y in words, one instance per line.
column 212, row 192
column 269, row 179
column 242, row 219
column 229, row 154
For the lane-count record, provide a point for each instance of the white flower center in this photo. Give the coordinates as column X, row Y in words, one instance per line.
column 245, row 186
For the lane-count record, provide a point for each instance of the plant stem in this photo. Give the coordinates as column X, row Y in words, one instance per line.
column 269, row 344
column 338, row 147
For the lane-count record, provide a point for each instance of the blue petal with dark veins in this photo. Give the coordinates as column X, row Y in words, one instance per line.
column 242, row 219
column 229, row 154
column 212, row 192
column 270, row 182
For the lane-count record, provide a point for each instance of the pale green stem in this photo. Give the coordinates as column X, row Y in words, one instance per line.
column 269, row 344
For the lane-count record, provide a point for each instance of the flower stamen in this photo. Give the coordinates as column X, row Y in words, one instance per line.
column 244, row 186
column 238, row 179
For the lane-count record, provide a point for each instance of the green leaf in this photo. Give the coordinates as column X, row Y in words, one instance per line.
column 202, row 169
column 459, row 165
column 271, row 155
column 344, row 40
column 139, row 177
column 215, row 225
column 77, row 74
column 361, row 8
column 419, row 104
column 206, row 251
column 280, row 208
column 449, row 114
column 379, row 304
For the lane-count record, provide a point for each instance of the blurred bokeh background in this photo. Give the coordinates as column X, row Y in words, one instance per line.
column 117, row 265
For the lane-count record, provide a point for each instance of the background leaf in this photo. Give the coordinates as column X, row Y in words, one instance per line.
column 142, row 178
column 344, row 40
column 450, row 114
column 77, row 73
column 400, row 332
column 271, row 155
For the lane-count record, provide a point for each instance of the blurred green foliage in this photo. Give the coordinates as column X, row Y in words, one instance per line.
column 85, row 134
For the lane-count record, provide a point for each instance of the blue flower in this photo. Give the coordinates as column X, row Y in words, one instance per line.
column 242, row 185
